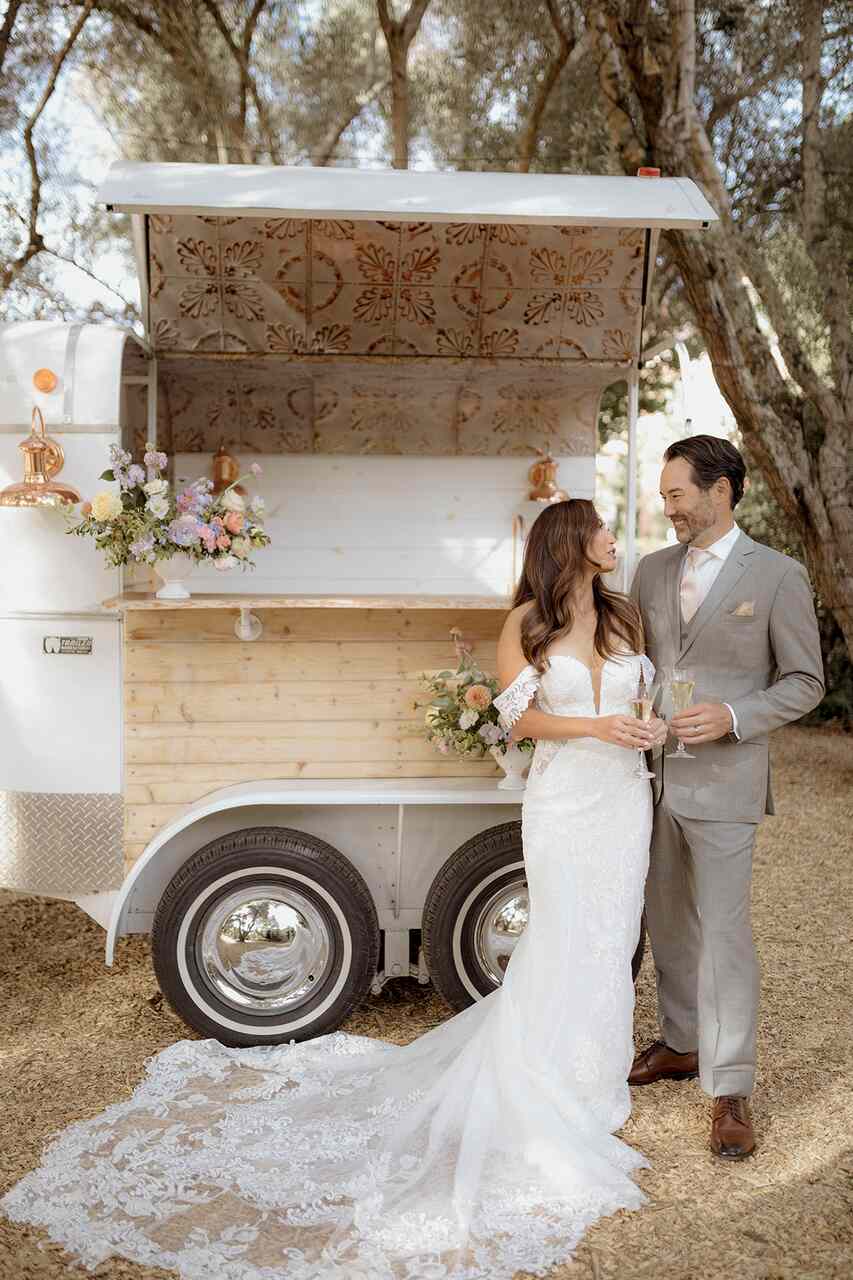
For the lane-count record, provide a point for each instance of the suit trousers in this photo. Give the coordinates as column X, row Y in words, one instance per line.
column 698, row 917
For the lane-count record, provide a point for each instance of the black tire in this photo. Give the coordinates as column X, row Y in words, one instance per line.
column 484, row 873
column 265, row 935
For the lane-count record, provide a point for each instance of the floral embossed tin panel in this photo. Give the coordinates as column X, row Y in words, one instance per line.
column 254, row 405
column 499, row 337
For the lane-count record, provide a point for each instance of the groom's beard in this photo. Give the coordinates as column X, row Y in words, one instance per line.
column 690, row 526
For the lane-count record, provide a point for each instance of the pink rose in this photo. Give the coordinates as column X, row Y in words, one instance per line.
column 478, row 697
column 234, row 521
column 223, row 542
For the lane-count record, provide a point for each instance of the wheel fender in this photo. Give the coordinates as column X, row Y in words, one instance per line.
column 215, row 815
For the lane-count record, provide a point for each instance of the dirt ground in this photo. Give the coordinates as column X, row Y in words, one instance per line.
column 74, row 1036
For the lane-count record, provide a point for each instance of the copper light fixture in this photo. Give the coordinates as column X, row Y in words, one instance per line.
column 225, row 471
column 43, row 459
column 543, row 481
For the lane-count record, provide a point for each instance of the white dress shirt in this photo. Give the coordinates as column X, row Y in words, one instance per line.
column 705, row 575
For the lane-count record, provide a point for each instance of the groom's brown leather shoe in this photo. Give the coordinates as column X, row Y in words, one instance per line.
column 659, row 1062
column 732, row 1135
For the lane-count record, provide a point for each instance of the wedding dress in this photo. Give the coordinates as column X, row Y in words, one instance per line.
column 484, row 1147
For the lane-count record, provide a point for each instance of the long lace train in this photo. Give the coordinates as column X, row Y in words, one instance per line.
column 482, row 1148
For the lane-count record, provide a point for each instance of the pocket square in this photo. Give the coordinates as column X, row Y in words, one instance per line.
column 746, row 609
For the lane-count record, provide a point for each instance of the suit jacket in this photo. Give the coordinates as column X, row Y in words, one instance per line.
column 753, row 643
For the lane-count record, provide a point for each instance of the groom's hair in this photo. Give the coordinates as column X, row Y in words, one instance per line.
column 710, row 459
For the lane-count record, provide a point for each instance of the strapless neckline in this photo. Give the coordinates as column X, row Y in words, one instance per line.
column 571, row 657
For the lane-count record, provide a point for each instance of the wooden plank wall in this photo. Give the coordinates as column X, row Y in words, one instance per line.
column 324, row 693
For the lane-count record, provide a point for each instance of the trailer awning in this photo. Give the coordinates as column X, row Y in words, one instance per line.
column 393, row 311
column 529, row 199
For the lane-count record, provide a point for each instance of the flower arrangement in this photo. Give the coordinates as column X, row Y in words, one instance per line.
column 461, row 714
column 146, row 521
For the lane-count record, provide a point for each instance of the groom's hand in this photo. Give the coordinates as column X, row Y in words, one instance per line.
column 706, row 722
column 659, row 730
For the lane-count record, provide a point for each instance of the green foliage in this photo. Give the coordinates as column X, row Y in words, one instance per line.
column 461, row 715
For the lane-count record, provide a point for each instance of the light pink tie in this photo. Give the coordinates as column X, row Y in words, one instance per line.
column 691, row 595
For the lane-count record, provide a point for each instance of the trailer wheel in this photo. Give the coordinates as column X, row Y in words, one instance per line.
column 475, row 912
column 265, row 935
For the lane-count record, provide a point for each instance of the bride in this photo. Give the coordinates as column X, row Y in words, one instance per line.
column 485, row 1146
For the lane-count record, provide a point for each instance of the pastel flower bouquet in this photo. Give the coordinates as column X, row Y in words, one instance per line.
column 461, row 715
column 146, row 522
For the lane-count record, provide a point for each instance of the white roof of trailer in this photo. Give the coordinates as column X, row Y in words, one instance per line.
column 548, row 199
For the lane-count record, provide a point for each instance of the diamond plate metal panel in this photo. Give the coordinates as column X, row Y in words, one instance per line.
column 61, row 844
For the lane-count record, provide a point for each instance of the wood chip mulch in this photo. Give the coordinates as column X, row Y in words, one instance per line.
column 74, row 1036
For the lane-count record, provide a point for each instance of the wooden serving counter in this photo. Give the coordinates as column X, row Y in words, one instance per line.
column 328, row 690
column 237, row 600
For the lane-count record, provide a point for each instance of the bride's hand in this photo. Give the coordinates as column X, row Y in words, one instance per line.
column 624, row 731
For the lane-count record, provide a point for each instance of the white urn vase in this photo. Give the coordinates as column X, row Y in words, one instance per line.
column 514, row 762
column 174, row 573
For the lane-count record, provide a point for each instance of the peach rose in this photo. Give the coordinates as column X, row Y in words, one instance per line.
column 86, row 509
column 478, row 697
column 234, row 521
column 223, row 542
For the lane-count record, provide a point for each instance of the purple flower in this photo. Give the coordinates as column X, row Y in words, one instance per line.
column 154, row 460
column 135, row 474
column 142, row 546
column 184, row 530
column 490, row 733
column 256, row 468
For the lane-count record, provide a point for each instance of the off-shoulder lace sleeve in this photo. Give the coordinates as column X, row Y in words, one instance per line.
column 516, row 697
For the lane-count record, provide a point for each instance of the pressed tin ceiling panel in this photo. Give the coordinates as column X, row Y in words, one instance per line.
column 389, row 337
column 255, row 406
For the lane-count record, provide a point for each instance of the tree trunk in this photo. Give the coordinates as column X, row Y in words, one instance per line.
column 398, row 37
column 808, row 471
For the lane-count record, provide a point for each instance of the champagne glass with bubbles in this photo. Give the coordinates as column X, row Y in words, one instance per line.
column 641, row 706
column 681, row 686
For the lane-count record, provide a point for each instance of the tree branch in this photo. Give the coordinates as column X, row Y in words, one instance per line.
column 398, row 38
column 614, row 90
column 330, row 142
column 240, row 54
column 565, row 45
column 35, row 243
column 823, row 248
column 6, row 30
column 63, row 257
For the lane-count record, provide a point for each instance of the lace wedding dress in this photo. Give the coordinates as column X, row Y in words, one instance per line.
column 484, row 1147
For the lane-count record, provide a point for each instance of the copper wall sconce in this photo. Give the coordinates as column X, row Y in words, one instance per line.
column 225, row 471
column 543, row 480
column 43, row 459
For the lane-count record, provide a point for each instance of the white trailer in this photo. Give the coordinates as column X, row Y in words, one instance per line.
column 413, row 336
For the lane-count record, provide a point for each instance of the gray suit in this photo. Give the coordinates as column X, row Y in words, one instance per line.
column 754, row 644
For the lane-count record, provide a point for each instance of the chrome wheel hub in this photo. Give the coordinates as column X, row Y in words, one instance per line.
column 264, row 948
column 499, row 924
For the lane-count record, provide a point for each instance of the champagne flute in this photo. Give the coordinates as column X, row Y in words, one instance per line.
column 681, row 686
column 641, row 708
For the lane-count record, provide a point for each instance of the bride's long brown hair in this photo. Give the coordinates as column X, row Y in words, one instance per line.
column 555, row 562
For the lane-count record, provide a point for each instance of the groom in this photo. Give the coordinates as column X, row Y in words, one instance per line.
column 740, row 618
